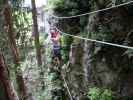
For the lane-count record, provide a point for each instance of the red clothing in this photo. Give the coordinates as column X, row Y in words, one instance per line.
column 54, row 34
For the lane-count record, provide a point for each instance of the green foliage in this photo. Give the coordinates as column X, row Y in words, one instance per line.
column 22, row 25
column 52, row 76
column 52, row 4
column 100, row 94
column 94, row 93
column 22, row 21
column 68, row 7
column 65, row 42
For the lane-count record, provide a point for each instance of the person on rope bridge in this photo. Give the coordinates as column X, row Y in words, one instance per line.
column 55, row 38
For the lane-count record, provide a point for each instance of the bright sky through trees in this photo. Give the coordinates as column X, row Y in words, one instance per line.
column 39, row 3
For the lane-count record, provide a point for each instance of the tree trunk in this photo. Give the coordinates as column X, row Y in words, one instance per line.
column 37, row 42
column 36, row 33
column 9, row 28
column 5, row 80
column 87, row 61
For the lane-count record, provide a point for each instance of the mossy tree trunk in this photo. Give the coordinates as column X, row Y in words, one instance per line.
column 36, row 33
column 23, row 95
column 5, row 81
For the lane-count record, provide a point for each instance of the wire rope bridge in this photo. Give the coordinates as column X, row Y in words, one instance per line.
column 93, row 40
column 88, row 39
